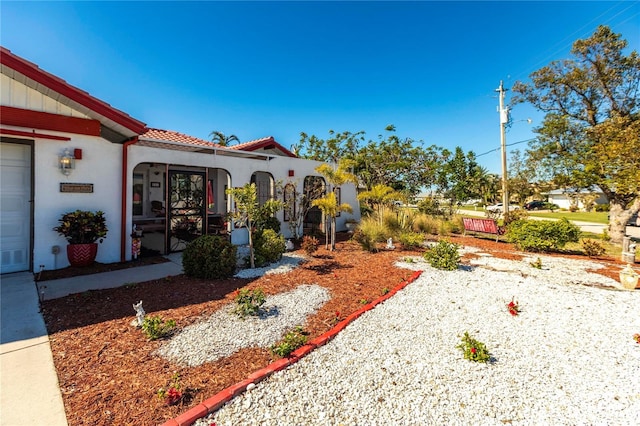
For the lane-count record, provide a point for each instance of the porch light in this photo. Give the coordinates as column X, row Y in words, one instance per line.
column 67, row 162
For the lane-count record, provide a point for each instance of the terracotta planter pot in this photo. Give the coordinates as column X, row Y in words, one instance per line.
column 82, row 254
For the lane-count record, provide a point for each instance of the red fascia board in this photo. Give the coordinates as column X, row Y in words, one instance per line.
column 11, row 116
column 32, row 135
column 269, row 144
column 58, row 85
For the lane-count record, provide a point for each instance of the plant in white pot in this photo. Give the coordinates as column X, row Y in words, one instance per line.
column 82, row 229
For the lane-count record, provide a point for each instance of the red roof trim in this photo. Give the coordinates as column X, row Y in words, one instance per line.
column 32, row 135
column 264, row 143
column 58, row 85
column 19, row 117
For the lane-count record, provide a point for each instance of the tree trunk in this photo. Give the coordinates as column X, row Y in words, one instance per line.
column 333, row 233
column 252, row 261
column 619, row 217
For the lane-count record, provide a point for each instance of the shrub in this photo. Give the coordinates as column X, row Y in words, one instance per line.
column 411, row 239
column 390, row 222
column 209, row 257
column 542, row 235
column 519, row 214
column 473, row 349
column 550, row 206
column 269, row 222
column 443, row 255
column 592, row 248
column 431, row 207
column 248, row 302
column 602, row 207
column 425, row 224
column 156, row 328
column 268, row 247
column 605, row 235
column 291, row 341
column 310, row 244
column 369, row 233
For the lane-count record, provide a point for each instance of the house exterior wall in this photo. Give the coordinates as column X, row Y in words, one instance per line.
column 101, row 165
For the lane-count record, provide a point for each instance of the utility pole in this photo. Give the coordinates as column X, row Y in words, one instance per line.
column 504, row 118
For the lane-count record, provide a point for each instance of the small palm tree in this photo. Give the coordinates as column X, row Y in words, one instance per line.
column 330, row 207
column 222, row 139
column 380, row 196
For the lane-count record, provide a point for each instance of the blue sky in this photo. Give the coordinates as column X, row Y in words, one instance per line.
column 256, row 69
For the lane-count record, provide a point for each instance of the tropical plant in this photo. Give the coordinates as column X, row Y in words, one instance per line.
column 248, row 302
column 156, row 328
column 542, row 235
column 329, row 203
column 82, row 227
column 473, row 349
column 291, row 341
column 222, row 139
column 380, row 197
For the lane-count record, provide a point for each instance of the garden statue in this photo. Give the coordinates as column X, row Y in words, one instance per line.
column 288, row 245
column 390, row 245
column 139, row 314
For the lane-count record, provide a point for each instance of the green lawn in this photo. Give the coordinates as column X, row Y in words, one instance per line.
column 594, row 217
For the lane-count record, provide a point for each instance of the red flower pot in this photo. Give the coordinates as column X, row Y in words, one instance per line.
column 82, row 254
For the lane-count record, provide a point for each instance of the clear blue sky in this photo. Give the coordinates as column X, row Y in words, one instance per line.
column 281, row 68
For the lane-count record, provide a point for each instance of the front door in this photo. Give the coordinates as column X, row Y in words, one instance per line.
column 15, row 207
column 186, row 208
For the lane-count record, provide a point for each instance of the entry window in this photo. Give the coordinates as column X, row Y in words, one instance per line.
column 138, row 194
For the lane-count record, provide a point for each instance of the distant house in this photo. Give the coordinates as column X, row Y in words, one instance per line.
column 63, row 149
column 565, row 198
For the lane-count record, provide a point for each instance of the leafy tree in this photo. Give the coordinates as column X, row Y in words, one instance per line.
column 589, row 135
column 520, row 178
column 402, row 164
column 248, row 212
column 454, row 176
column 332, row 149
column 222, row 139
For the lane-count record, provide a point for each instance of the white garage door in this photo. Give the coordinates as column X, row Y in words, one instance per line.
column 15, row 209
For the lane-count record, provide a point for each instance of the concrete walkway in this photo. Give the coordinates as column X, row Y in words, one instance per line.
column 29, row 390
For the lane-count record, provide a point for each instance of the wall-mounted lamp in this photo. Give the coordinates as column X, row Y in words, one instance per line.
column 66, row 162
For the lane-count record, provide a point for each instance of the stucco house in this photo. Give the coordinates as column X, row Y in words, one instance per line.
column 564, row 198
column 63, row 149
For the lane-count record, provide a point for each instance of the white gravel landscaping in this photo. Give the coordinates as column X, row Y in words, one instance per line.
column 568, row 358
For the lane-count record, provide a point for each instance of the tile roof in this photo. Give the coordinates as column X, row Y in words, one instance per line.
column 173, row 136
column 267, row 143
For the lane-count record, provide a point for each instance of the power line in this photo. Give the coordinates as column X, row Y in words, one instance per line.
column 509, row 144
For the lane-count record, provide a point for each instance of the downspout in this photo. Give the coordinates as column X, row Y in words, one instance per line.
column 125, row 186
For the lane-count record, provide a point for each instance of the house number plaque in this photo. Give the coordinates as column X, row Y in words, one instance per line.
column 84, row 188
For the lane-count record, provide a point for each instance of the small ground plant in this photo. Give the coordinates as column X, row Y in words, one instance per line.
column 156, row 328
column 473, row 349
column 443, row 255
column 171, row 394
column 537, row 264
column 249, row 302
column 310, row 244
column 291, row 341
column 592, row 248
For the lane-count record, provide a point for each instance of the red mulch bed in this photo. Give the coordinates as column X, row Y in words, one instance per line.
column 106, row 368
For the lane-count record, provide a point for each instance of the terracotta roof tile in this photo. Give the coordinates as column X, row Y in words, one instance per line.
column 173, row 136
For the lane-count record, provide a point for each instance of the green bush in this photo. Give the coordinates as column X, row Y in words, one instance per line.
column 391, row 222
column 249, row 302
column 431, row 207
column 443, row 255
column 602, row 207
column 473, row 350
column 542, row 235
column 209, row 257
column 268, row 246
column 291, row 341
column 155, row 327
column 268, row 223
column 411, row 240
column 550, row 206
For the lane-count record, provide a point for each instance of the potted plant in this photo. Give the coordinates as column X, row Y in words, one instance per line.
column 82, row 229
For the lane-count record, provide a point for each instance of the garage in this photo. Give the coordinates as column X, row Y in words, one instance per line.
column 15, row 206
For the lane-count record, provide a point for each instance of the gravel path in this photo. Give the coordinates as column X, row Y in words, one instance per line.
column 568, row 358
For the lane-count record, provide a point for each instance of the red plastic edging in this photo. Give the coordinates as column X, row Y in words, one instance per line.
column 212, row 404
